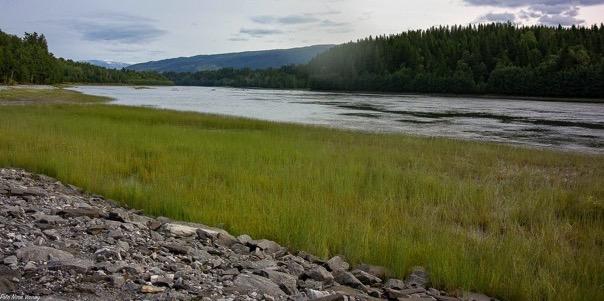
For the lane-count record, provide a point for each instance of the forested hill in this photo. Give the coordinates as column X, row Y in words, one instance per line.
column 27, row 61
column 475, row 59
column 262, row 59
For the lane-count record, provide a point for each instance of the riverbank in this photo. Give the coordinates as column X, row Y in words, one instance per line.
column 62, row 243
column 518, row 224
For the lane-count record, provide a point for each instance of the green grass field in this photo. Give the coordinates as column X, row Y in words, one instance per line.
column 515, row 223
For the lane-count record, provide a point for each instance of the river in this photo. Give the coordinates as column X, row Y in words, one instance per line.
column 558, row 125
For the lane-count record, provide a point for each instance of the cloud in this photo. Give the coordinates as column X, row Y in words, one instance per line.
column 238, row 39
column 555, row 20
column 259, row 32
column 547, row 12
column 330, row 23
column 117, row 28
column 497, row 17
column 286, row 20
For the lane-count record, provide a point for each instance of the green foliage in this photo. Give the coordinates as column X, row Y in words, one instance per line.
column 27, row 61
column 518, row 224
column 486, row 58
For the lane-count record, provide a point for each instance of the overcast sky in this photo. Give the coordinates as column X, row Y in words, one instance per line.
column 141, row 30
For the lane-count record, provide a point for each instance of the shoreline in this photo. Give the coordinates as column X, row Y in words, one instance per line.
column 477, row 96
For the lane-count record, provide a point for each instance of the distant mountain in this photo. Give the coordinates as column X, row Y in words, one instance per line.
column 250, row 59
column 108, row 64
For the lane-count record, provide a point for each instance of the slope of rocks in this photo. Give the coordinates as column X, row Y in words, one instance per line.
column 59, row 243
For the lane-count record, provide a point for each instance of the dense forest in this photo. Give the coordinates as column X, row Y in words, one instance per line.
column 475, row 59
column 27, row 61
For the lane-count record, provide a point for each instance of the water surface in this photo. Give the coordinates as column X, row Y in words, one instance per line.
column 559, row 125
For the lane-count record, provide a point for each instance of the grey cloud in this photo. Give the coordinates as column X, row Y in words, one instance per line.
column 497, row 17
column 555, row 20
column 258, row 32
column 117, row 27
column 286, row 20
column 128, row 35
column 520, row 3
column 238, row 39
column 330, row 23
column 547, row 12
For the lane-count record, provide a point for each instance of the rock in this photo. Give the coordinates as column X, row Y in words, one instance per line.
column 117, row 281
column 42, row 218
column 11, row 260
column 225, row 240
column 319, row 273
column 80, row 211
column 268, row 246
column 180, row 230
column 244, row 239
column 75, row 264
column 366, row 278
column 418, row 278
column 52, row 234
column 248, row 283
column 177, row 248
column 166, row 281
column 40, row 253
column 240, row 249
column 118, row 215
column 337, row 263
column 347, row 278
column 393, row 294
column 30, row 266
column 395, row 284
column 377, row 271
column 150, row 289
column 286, row 282
column 154, row 224
column 333, row 297
column 316, row 294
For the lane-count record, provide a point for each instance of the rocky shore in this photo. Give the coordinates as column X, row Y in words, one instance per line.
column 58, row 243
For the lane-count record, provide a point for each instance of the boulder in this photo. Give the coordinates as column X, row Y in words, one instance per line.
column 40, row 253
column 347, row 278
column 319, row 273
column 180, row 230
column 75, row 264
column 366, row 278
column 395, row 284
column 247, row 283
column 286, row 282
column 418, row 278
column 337, row 263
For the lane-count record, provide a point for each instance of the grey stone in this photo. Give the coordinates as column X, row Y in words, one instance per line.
column 247, row 283
column 180, row 230
column 319, row 273
column 286, row 282
column 337, row 263
column 75, row 264
column 395, row 284
column 418, row 278
column 347, row 278
column 365, row 277
column 10, row 260
column 76, row 212
column 41, row 253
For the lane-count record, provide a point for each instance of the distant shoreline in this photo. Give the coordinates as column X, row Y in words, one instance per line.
column 480, row 96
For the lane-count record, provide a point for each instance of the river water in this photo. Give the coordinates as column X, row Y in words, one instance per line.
column 558, row 125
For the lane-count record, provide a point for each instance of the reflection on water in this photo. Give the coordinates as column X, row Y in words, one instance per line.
column 560, row 125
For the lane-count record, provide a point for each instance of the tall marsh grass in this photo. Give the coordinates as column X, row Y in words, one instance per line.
column 519, row 224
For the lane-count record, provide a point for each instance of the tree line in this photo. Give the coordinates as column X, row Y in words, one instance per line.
column 498, row 58
column 27, row 60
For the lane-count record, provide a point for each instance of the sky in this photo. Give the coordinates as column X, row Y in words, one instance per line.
column 135, row 31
